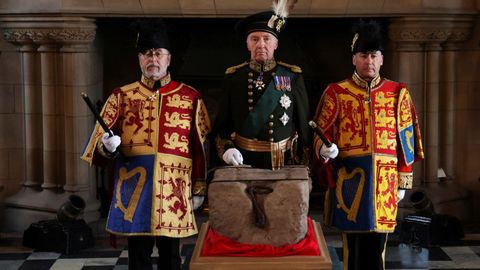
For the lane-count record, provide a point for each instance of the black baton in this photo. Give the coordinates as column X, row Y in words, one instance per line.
column 317, row 130
column 100, row 120
column 337, row 162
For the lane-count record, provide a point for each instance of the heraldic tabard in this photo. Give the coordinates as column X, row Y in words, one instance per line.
column 162, row 137
column 379, row 139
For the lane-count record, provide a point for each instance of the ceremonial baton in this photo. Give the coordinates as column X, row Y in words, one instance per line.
column 337, row 162
column 317, row 130
column 100, row 119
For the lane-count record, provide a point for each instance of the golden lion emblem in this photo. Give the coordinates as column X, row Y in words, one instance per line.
column 177, row 120
column 174, row 141
column 178, row 101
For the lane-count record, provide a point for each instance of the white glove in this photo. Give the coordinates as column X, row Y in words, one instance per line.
column 233, row 157
column 400, row 195
column 197, row 201
column 329, row 152
column 111, row 143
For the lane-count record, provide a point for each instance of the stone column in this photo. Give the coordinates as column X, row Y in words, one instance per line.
column 52, row 143
column 432, row 94
column 51, row 157
column 447, row 113
column 33, row 108
column 33, row 116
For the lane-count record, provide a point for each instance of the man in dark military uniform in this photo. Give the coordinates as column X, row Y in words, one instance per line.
column 262, row 118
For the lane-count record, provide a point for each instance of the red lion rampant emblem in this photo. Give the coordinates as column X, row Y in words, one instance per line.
column 135, row 114
column 178, row 189
column 350, row 119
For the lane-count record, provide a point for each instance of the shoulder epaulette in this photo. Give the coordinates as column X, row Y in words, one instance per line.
column 231, row 70
column 293, row 68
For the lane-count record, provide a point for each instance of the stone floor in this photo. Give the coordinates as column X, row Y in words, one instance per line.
column 13, row 256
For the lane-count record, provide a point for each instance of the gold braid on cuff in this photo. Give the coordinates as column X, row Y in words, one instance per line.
column 405, row 180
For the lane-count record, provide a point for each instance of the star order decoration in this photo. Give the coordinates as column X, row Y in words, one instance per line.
column 285, row 101
column 284, row 119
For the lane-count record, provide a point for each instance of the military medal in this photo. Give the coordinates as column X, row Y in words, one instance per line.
column 284, row 119
column 285, row 101
column 259, row 84
column 282, row 83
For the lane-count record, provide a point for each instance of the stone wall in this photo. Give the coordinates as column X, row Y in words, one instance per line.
column 467, row 128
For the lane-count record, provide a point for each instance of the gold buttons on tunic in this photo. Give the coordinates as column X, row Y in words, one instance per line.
column 250, row 86
column 270, row 131
column 271, row 139
column 250, row 108
column 250, row 100
column 250, row 93
column 250, row 74
column 270, row 124
column 250, row 80
column 271, row 116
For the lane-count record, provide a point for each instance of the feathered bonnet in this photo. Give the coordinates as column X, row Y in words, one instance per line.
column 367, row 37
column 273, row 21
column 151, row 34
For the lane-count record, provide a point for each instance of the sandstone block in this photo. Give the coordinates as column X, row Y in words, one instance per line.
column 282, row 196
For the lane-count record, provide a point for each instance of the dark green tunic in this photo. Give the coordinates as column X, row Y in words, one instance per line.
column 240, row 96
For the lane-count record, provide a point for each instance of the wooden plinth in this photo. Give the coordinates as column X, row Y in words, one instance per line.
column 323, row 261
